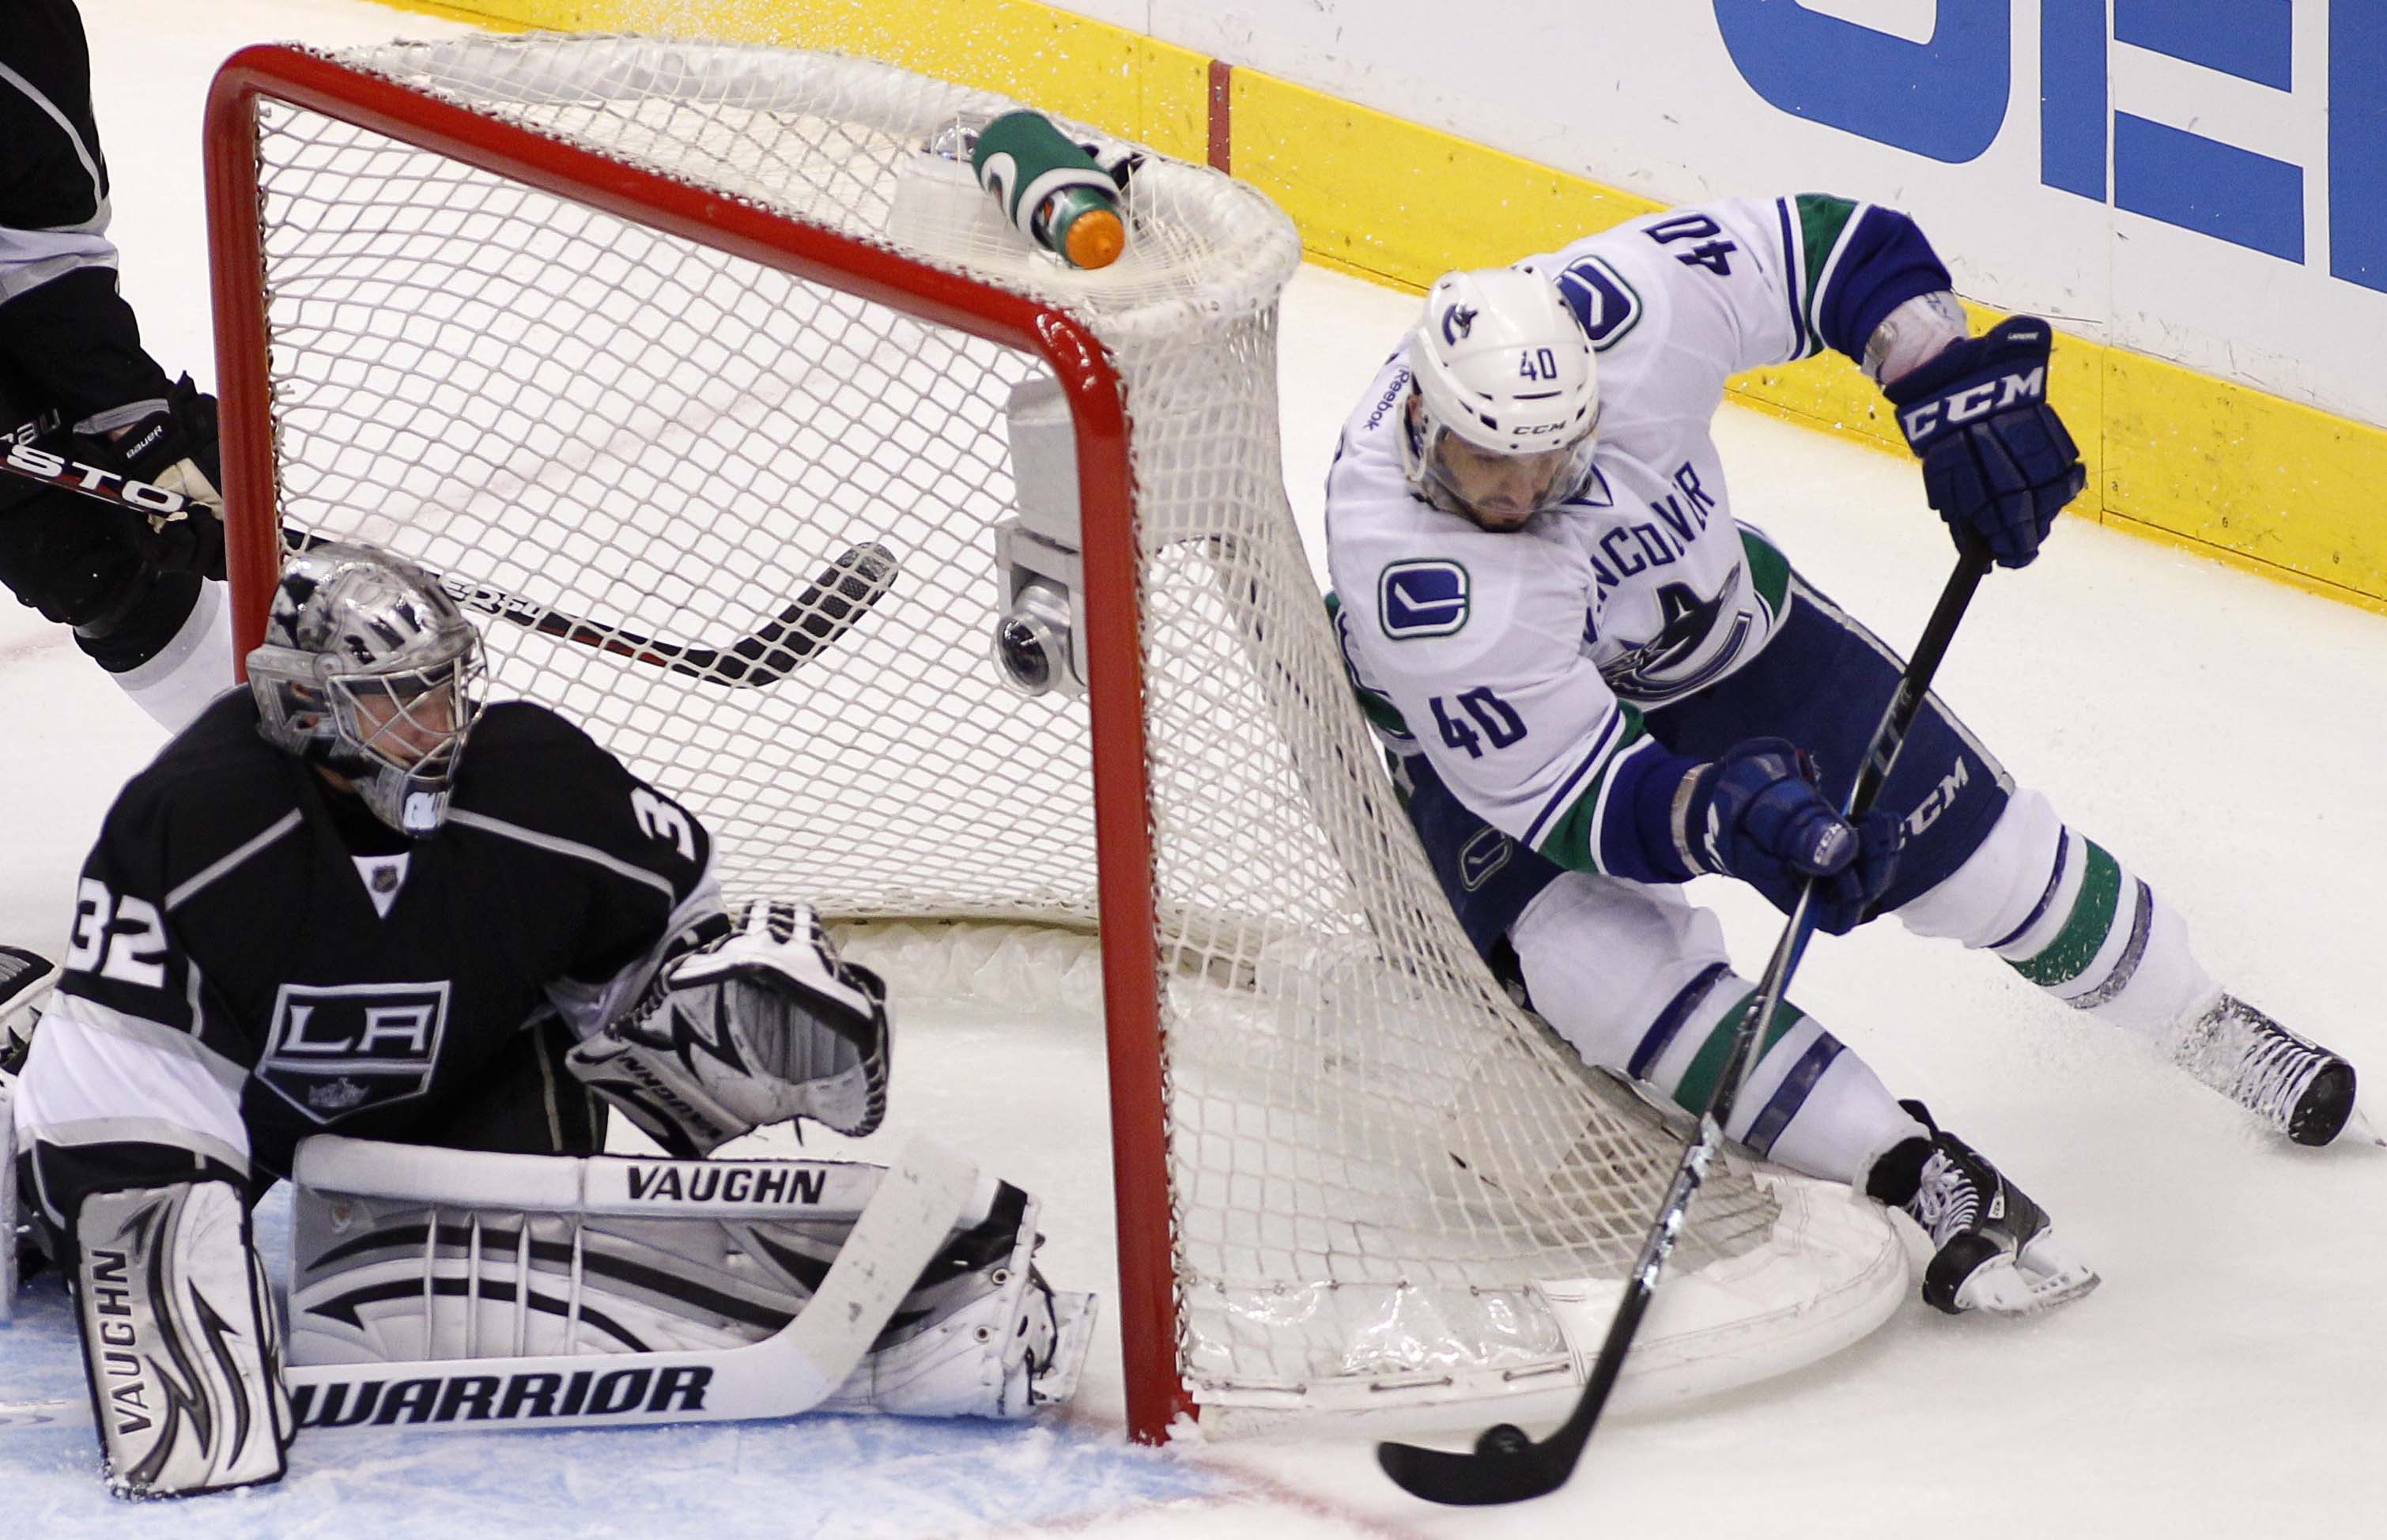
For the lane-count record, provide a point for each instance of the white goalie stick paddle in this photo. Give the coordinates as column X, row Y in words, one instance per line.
column 840, row 594
column 916, row 1205
column 1508, row 1465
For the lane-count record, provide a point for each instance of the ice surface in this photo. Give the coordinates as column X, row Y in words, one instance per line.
column 2223, row 734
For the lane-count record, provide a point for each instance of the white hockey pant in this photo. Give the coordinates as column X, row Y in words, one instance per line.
column 1637, row 978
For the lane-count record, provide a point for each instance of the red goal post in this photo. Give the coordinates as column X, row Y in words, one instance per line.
column 1147, row 1301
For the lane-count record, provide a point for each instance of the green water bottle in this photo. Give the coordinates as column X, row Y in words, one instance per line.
column 1051, row 188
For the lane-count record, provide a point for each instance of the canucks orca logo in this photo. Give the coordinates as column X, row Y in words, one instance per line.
column 1422, row 599
column 1456, row 321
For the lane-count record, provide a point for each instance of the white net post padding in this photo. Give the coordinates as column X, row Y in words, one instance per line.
column 1390, row 1191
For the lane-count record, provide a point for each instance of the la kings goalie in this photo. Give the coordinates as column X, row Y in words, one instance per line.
column 315, row 915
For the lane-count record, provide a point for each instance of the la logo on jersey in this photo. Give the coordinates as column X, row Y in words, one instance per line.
column 1422, row 599
column 336, row 1049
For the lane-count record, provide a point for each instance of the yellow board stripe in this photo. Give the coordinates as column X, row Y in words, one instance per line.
column 2250, row 479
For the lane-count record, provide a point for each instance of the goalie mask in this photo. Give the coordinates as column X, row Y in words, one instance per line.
column 1499, row 425
column 370, row 670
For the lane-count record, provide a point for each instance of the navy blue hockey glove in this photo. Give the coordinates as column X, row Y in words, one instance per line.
column 1755, row 813
column 1997, row 461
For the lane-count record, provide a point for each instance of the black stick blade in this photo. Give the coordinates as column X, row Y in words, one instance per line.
column 1506, row 1466
column 842, row 594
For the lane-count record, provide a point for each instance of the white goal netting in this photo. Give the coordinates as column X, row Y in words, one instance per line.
column 1382, row 1175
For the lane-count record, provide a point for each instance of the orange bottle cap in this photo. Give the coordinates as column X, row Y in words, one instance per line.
column 1096, row 239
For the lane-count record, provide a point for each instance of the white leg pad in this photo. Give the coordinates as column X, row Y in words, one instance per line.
column 180, row 1338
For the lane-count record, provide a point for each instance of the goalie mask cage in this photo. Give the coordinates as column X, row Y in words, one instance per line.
column 636, row 330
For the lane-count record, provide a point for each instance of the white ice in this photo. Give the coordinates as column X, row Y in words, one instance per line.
column 2225, row 734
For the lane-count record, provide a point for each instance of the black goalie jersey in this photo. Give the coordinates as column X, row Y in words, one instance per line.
column 255, row 960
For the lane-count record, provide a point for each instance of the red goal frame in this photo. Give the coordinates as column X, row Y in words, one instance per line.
column 1148, row 1296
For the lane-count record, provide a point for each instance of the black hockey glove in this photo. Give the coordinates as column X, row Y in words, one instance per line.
column 175, row 449
column 1998, row 463
column 1754, row 814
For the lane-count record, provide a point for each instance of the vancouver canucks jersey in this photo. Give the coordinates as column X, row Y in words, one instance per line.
column 1520, row 662
column 247, row 968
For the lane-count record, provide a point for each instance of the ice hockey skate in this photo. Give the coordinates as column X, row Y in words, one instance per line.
column 1994, row 1249
column 2291, row 1082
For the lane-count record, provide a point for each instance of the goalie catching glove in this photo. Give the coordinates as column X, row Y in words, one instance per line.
column 763, row 1025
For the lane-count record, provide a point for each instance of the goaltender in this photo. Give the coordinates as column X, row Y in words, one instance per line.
column 316, row 912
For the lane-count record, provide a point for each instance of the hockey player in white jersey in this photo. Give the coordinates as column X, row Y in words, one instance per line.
column 349, row 900
column 1599, row 684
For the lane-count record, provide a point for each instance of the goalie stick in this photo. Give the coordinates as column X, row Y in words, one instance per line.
column 1506, row 1464
column 840, row 594
column 916, row 1207
column 843, row 592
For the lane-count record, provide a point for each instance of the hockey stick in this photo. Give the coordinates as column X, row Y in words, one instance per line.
column 843, row 592
column 25, row 461
column 905, row 1223
column 1507, row 1464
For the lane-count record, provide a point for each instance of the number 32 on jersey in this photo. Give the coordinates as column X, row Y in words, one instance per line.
column 123, row 939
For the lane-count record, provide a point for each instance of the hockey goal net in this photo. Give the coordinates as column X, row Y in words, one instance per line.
column 635, row 339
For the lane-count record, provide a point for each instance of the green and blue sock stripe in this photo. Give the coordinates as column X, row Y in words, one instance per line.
column 2046, row 899
column 1697, row 1080
column 1797, row 1083
column 1792, row 1059
column 2085, row 938
column 2125, row 966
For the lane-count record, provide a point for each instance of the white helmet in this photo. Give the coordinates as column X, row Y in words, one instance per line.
column 1507, row 392
column 370, row 669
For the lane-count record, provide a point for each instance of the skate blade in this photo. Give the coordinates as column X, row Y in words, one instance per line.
column 2042, row 1278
